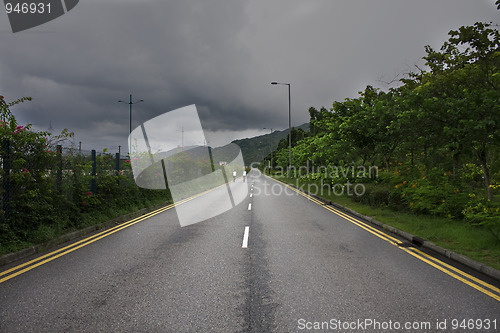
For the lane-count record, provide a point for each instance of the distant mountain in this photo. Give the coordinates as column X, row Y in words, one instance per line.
column 256, row 148
column 253, row 149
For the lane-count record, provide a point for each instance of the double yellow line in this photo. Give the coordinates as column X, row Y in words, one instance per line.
column 27, row 266
column 454, row 272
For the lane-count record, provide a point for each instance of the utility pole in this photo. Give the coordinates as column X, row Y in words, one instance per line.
column 130, row 103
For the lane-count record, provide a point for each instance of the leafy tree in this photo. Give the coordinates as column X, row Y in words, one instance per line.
column 317, row 120
column 367, row 125
column 428, row 132
column 297, row 135
column 465, row 82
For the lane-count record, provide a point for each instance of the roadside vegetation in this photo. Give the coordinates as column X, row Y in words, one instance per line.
column 45, row 193
column 434, row 141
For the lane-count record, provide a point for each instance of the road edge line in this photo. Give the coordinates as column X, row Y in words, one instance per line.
column 464, row 260
column 50, row 245
column 77, row 234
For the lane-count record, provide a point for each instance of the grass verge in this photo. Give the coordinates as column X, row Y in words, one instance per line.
column 472, row 241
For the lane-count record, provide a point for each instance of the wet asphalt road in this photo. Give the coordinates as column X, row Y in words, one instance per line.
column 306, row 269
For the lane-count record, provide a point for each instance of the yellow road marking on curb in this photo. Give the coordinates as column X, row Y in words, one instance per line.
column 39, row 263
column 475, row 286
column 79, row 242
column 430, row 260
column 77, row 245
column 468, row 276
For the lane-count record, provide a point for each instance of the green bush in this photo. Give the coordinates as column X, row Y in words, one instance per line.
column 482, row 212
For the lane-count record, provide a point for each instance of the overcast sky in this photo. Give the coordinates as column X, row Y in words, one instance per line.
column 219, row 55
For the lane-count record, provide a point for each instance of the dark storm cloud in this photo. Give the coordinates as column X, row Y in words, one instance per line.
column 219, row 55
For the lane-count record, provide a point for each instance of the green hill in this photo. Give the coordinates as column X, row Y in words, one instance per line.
column 256, row 148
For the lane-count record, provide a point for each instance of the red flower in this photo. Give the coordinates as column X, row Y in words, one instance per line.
column 89, row 193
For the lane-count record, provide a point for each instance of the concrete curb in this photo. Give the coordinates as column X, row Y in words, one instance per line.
column 466, row 261
column 11, row 257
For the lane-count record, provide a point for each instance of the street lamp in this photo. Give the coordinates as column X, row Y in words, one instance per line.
column 130, row 103
column 270, row 147
column 289, row 127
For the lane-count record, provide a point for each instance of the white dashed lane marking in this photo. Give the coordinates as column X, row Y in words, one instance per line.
column 245, row 238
